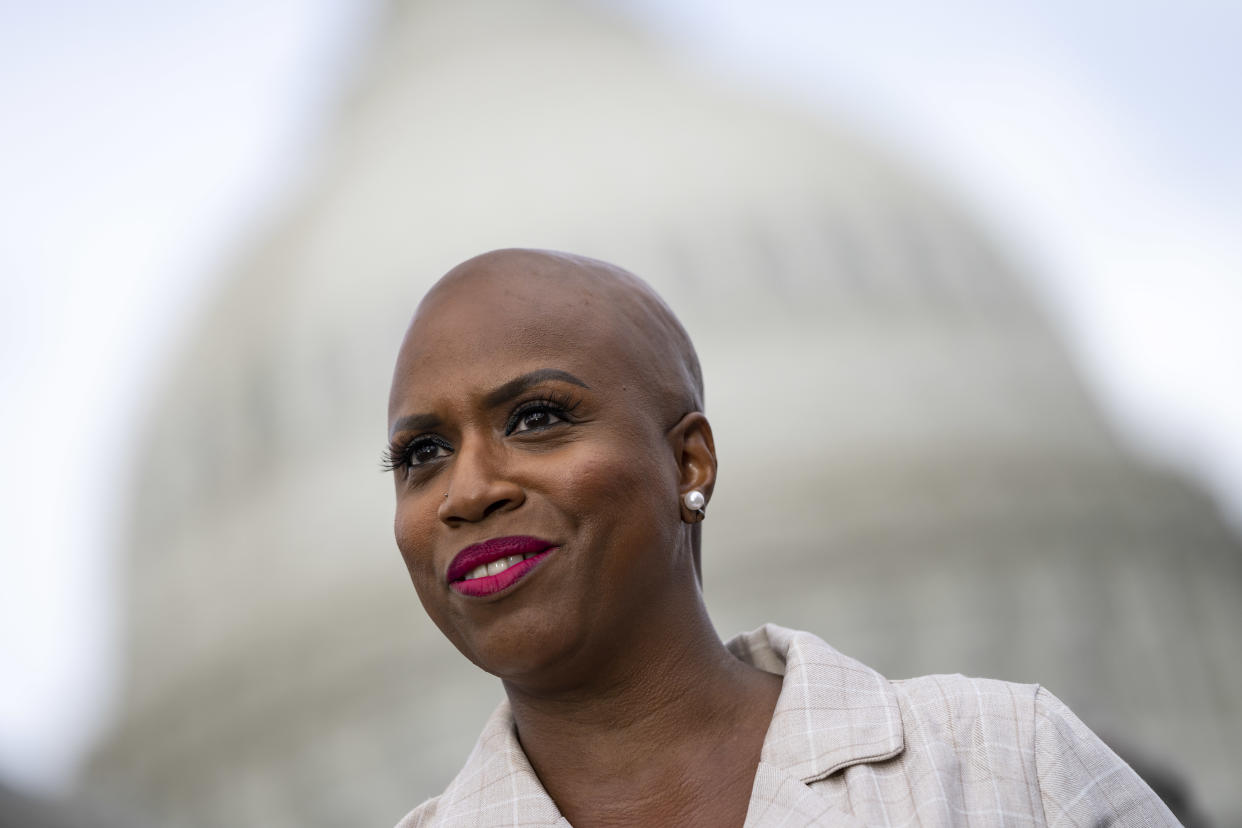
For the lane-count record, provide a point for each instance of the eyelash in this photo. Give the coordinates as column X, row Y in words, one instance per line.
column 397, row 455
column 560, row 405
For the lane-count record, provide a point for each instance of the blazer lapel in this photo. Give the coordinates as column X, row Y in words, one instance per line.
column 780, row 799
column 832, row 712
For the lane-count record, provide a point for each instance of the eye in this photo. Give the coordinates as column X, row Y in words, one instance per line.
column 537, row 415
column 425, row 449
column 416, row 452
column 532, row 419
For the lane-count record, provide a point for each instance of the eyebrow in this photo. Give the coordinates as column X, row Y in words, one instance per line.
column 511, row 389
column 515, row 387
column 414, row 422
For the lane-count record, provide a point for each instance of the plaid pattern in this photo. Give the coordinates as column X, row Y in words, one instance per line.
column 847, row 747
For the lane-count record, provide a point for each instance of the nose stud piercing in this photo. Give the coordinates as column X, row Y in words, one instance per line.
column 695, row 501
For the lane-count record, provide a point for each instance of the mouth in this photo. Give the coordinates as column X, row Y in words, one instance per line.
column 497, row 564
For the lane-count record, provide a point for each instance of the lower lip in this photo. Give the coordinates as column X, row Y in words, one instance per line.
column 491, row 584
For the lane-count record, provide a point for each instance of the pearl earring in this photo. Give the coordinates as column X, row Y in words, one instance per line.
column 695, row 501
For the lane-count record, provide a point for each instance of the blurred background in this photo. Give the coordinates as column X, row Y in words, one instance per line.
column 983, row 258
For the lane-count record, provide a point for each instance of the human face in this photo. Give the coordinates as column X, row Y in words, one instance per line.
column 518, row 412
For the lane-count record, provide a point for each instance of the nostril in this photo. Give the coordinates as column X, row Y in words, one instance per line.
column 495, row 507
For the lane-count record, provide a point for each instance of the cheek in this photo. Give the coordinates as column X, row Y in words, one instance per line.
column 623, row 492
column 413, row 528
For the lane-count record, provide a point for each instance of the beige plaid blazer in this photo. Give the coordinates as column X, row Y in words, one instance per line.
column 847, row 747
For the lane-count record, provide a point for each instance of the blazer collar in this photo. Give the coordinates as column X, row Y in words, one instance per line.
column 832, row 712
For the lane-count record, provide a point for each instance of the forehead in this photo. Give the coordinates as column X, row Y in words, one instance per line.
column 480, row 330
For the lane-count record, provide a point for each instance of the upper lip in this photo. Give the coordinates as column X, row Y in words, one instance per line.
column 492, row 550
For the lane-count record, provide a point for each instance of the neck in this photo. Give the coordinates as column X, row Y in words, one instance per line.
column 663, row 704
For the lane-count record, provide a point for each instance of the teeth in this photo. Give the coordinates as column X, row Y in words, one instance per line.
column 499, row 565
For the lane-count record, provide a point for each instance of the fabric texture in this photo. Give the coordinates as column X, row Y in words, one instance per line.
column 847, row 747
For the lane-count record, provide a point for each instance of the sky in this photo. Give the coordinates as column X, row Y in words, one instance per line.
column 1095, row 139
column 142, row 142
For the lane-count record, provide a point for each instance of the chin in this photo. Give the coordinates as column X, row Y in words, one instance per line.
column 528, row 651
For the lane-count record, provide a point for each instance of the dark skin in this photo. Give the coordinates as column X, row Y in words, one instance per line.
column 551, row 396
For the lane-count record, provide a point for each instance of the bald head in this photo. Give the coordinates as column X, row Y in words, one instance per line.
column 594, row 349
column 592, row 297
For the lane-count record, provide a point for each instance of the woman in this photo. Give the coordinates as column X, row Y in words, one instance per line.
column 552, row 466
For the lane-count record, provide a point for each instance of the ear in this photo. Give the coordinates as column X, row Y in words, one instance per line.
column 695, row 451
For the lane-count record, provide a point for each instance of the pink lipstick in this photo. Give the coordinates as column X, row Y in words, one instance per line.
column 488, row 567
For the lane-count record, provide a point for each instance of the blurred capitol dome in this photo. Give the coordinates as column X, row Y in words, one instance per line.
column 910, row 466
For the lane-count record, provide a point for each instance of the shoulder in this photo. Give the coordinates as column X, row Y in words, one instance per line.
column 965, row 695
column 1034, row 747
column 1081, row 780
column 969, row 714
column 424, row 814
column 957, row 725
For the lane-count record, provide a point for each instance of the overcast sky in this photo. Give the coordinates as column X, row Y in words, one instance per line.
column 142, row 140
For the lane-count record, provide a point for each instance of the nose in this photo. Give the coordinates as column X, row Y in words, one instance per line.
column 478, row 484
